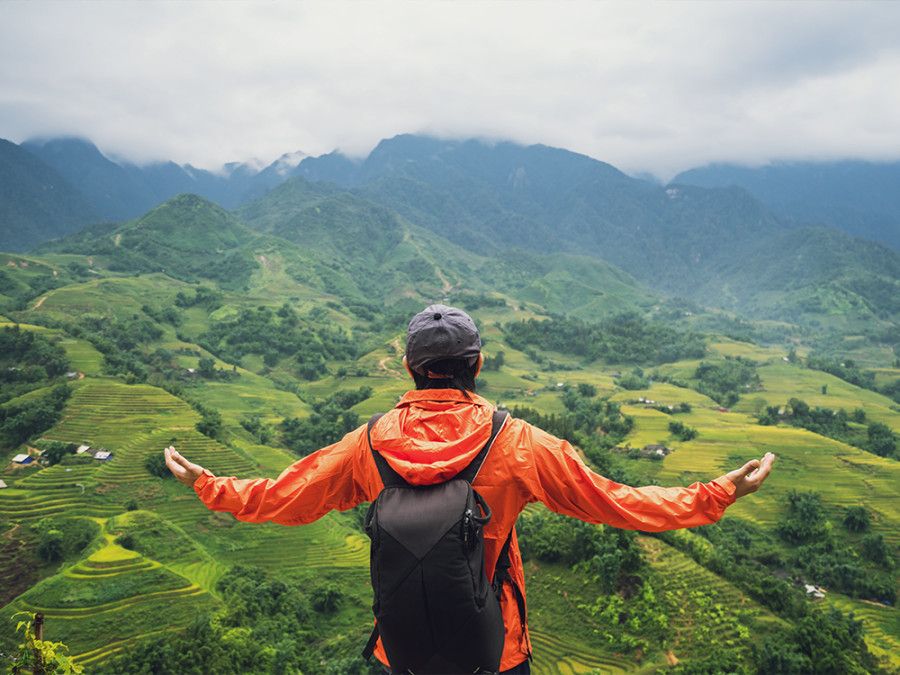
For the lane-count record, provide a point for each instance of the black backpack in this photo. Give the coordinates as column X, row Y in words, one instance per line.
column 436, row 610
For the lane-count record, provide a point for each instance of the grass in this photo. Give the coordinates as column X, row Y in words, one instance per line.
column 111, row 597
column 882, row 626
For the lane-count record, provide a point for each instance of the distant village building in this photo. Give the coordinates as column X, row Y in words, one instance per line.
column 814, row 592
column 23, row 459
column 660, row 450
column 102, row 455
column 3, row 484
column 82, row 449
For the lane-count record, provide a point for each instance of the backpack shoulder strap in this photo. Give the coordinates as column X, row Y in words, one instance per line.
column 471, row 471
column 389, row 477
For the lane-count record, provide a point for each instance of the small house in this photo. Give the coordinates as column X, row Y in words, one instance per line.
column 82, row 449
column 23, row 459
column 3, row 484
column 102, row 455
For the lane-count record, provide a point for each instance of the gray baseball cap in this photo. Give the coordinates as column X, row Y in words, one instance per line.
column 441, row 332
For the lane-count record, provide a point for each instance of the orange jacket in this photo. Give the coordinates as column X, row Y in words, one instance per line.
column 429, row 437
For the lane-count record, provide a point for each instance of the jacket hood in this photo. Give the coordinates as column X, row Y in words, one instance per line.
column 433, row 434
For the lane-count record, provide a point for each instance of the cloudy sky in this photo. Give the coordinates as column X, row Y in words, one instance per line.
column 648, row 86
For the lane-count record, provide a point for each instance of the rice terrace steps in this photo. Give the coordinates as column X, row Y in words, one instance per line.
column 112, row 597
column 556, row 656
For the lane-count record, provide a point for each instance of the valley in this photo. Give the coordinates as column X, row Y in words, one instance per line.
column 248, row 338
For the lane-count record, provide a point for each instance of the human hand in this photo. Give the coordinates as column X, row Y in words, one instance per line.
column 749, row 477
column 185, row 471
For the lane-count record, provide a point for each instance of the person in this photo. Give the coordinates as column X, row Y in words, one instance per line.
column 431, row 434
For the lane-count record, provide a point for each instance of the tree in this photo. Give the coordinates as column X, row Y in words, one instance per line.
column 51, row 546
column 156, row 465
column 876, row 549
column 210, row 423
column 857, row 519
column 54, row 452
column 206, row 368
column 881, row 440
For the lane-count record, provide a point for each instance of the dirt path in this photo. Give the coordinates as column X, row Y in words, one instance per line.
column 118, row 239
column 382, row 363
column 39, row 303
column 9, row 532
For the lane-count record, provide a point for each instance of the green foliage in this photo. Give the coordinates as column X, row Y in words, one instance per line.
column 255, row 426
column 881, row 440
column 50, row 547
column 54, row 452
column 40, row 657
column 633, row 382
column 626, row 338
column 846, row 370
column 876, row 549
column 857, row 519
column 204, row 296
column 805, row 519
column 210, row 423
column 21, row 421
column 155, row 463
column 62, row 538
column 604, row 553
column 152, row 536
column 267, row 625
column 724, row 381
column 824, row 559
column 330, row 420
column 832, row 643
column 28, row 357
column 681, row 431
column 278, row 335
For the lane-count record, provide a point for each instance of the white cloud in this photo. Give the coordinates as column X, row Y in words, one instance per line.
column 656, row 86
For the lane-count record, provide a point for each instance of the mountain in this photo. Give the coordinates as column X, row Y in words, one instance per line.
column 295, row 337
column 187, row 237
column 717, row 245
column 487, row 198
column 112, row 189
column 36, row 202
column 810, row 274
column 861, row 198
column 121, row 191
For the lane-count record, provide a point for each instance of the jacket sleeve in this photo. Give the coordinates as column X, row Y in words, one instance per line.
column 304, row 492
column 561, row 480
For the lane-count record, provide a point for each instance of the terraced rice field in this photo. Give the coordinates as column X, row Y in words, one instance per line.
column 882, row 626
column 325, row 544
column 111, row 598
column 109, row 414
column 555, row 656
column 703, row 596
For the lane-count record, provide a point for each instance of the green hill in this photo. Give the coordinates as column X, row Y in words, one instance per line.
column 37, row 202
column 298, row 338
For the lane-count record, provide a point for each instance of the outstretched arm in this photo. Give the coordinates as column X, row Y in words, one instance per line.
column 185, row 471
column 749, row 477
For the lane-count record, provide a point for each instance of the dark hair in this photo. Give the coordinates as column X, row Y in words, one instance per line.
column 448, row 374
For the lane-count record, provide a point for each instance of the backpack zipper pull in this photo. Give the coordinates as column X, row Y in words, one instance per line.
column 467, row 526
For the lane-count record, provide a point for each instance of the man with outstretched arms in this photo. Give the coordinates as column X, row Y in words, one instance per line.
column 432, row 434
